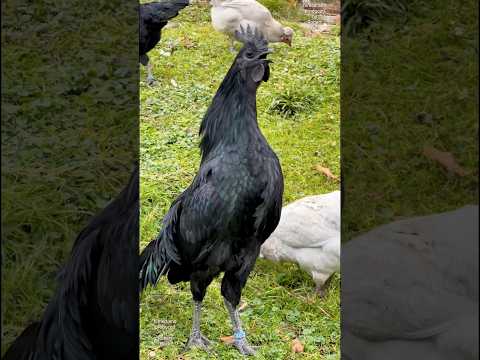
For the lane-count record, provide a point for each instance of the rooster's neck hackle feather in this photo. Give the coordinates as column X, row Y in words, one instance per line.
column 233, row 110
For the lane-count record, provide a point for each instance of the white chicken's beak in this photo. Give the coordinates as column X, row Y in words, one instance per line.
column 286, row 39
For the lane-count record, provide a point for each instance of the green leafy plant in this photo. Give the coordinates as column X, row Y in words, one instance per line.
column 291, row 102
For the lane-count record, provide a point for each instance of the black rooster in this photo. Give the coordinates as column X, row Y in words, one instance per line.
column 94, row 311
column 153, row 17
column 234, row 203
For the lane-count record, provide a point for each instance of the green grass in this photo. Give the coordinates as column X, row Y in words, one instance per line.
column 359, row 14
column 392, row 72
column 54, row 112
column 281, row 301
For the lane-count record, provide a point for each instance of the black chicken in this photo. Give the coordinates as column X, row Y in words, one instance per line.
column 234, row 203
column 153, row 17
column 94, row 311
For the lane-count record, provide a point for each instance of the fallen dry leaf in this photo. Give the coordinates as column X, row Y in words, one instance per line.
column 151, row 354
column 297, row 346
column 227, row 339
column 446, row 159
column 187, row 42
column 318, row 31
column 292, row 3
column 171, row 25
column 243, row 306
column 326, row 171
column 312, row 34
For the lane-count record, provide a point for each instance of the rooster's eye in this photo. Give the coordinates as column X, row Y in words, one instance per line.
column 249, row 54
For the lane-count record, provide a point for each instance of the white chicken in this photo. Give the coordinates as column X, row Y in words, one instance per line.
column 309, row 235
column 410, row 289
column 229, row 15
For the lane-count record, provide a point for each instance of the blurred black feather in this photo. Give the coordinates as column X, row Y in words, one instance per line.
column 94, row 311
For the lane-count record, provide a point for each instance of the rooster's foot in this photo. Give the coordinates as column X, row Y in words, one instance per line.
column 321, row 292
column 151, row 81
column 197, row 340
column 243, row 346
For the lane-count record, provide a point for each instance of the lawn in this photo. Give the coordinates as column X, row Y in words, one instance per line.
column 408, row 84
column 68, row 139
column 298, row 112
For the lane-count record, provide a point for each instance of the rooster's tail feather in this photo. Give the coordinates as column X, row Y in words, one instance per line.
column 155, row 259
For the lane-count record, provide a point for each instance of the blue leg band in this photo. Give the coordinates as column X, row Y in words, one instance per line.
column 239, row 335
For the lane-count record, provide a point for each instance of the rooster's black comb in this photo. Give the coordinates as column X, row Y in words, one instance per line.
column 251, row 36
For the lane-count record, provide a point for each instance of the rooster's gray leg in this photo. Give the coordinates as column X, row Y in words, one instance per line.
column 150, row 78
column 196, row 338
column 232, row 45
column 239, row 339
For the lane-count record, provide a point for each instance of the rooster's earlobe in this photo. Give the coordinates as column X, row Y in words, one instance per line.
column 258, row 73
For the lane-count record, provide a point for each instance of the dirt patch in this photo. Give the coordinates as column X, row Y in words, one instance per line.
column 314, row 28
